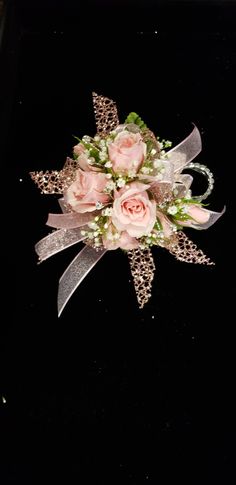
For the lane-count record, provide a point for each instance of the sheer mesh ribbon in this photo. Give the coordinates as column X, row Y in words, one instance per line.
column 75, row 273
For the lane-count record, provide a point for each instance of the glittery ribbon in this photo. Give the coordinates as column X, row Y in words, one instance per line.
column 57, row 241
column 69, row 220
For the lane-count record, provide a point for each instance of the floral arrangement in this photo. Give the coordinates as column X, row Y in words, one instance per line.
column 115, row 175
column 125, row 188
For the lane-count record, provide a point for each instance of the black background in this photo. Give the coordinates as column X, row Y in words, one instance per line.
column 108, row 393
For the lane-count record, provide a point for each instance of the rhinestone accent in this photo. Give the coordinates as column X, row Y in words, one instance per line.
column 208, row 174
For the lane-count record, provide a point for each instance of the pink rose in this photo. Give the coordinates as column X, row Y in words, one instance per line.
column 133, row 211
column 85, row 165
column 127, row 152
column 86, row 190
column 125, row 241
column 83, row 160
column 78, row 149
column 199, row 215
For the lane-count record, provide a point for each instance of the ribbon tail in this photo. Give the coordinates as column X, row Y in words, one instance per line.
column 142, row 269
column 106, row 114
column 57, row 241
column 54, row 181
column 75, row 273
column 185, row 250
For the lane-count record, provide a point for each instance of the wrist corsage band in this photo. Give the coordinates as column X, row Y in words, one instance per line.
column 125, row 188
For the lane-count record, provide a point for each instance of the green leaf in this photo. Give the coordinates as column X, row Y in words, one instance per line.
column 179, row 227
column 94, row 152
column 158, row 224
column 150, row 145
column 183, row 217
column 190, row 201
column 135, row 118
column 78, row 139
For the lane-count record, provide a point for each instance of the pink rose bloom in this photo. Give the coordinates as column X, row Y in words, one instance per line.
column 78, row 149
column 125, row 241
column 86, row 190
column 127, row 152
column 200, row 215
column 85, row 165
column 133, row 211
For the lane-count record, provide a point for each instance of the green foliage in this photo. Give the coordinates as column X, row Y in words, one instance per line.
column 135, row 118
column 94, row 152
column 191, row 201
column 158, row 224
column 78, row 139
column 180, row 216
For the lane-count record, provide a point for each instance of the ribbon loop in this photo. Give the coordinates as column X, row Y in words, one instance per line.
column 186, row 150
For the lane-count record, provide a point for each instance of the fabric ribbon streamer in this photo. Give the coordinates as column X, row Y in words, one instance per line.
column 57, row 241
column 73, row 227
column 75, row 273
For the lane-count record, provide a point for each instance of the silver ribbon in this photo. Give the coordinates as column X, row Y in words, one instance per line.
column 57, row 241
column 75, row 273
